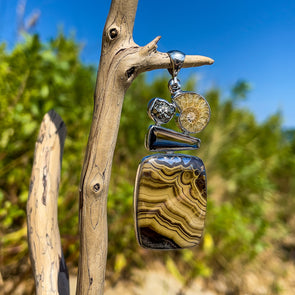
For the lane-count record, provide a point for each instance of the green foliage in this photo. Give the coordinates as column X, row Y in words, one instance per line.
column 250, row 165
column 34, row 78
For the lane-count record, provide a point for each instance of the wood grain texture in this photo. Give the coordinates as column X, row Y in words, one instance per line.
column 48, row 264
column 170, row 201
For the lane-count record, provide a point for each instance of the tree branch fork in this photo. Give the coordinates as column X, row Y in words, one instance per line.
column 138, row 59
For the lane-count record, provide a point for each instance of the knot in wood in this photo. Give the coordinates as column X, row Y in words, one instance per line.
column 96, row 187
column 113, row 33
column 130, row 72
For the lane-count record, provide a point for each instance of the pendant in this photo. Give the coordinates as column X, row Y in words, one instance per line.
column 170, row 195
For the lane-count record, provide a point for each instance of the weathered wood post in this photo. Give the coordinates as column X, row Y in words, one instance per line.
column 120, row 63
column 49, row 267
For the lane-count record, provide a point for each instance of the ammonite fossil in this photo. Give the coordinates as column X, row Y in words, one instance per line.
column 170, row 201
column 194, row 111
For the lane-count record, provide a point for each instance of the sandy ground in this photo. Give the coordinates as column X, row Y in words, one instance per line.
column 266, row 277
column 155, row 281
column 275, row 279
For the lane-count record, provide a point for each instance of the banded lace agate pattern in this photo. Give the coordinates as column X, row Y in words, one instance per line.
column 170, row 201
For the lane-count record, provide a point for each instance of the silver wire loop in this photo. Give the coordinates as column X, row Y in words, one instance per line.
column 177, row 58
column 174, row 86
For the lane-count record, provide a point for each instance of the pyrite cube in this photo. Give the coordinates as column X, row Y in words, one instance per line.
column 170, row 200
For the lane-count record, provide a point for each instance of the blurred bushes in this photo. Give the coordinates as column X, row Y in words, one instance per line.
column 35, row 78
column 250, row 165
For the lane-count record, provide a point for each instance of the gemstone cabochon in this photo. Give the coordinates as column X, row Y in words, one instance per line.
column 170, row 200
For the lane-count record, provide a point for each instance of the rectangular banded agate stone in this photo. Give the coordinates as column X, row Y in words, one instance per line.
column 170, row 199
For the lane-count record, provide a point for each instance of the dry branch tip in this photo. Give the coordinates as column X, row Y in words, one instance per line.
column 150, row 47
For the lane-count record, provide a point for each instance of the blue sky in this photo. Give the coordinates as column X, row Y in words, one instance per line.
column 252, row 40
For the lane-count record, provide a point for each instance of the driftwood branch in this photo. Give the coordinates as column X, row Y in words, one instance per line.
column 121, row 61
column 49, row 267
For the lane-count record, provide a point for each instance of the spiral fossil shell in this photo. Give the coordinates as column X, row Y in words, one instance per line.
column 194, row 112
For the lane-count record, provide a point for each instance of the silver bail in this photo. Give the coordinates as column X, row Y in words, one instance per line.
column 177, row 58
